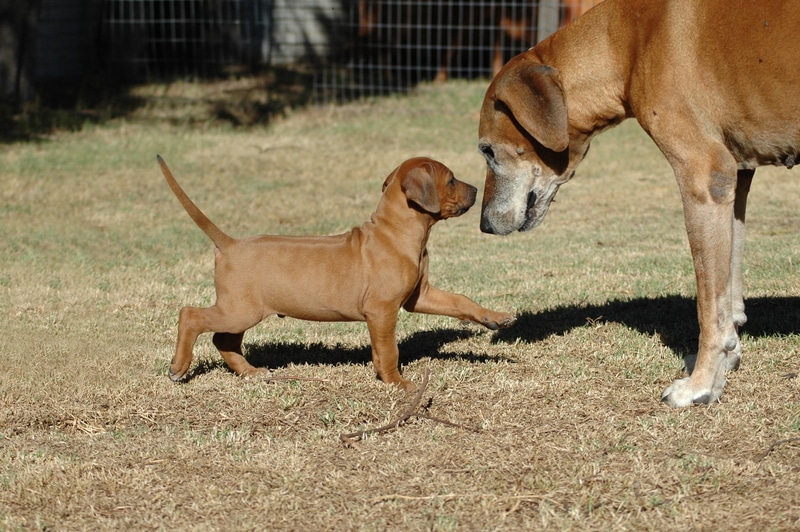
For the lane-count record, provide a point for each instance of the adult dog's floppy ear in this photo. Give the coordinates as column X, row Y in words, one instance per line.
column 534, row 96
column 419, row 186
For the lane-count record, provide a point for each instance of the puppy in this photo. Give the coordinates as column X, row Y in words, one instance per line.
column 367, row 274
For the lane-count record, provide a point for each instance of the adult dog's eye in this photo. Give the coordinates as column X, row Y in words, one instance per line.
column 452, row 181
column 487, row 151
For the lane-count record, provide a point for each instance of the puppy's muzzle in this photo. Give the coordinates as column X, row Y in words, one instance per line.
column 467, row 200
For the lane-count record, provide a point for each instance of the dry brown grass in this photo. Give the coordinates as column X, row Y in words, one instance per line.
column 98, row 257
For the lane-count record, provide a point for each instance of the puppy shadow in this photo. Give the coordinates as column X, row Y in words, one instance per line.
column 672, row 318
column 417, row 346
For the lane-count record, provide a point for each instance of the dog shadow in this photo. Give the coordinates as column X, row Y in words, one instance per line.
column 417, row 346
column 673, row 319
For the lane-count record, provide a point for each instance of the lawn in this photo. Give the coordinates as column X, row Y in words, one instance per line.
column 554, row 424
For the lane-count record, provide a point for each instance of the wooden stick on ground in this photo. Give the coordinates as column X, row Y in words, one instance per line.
column 409, row 412
column 775, row 445
column 399, row 420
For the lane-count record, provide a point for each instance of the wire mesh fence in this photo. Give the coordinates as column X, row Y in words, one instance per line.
column 350, row 48
column 145, row 40
column 391, row 45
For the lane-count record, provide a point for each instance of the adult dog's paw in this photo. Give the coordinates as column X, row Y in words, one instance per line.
column 684, row 392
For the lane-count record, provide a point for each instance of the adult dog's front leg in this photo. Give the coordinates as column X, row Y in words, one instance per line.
column 430, row 300
column 709, row 211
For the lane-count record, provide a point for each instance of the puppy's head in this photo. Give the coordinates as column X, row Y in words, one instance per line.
column 431, row 187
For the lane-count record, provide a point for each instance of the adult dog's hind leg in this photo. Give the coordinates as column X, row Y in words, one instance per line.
column 744, row 179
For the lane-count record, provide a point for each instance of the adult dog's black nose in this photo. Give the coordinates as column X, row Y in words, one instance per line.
column 486, row 224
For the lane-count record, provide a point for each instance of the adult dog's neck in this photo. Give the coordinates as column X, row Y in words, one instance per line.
column 592, row 77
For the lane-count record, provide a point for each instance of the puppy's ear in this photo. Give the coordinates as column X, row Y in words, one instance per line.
column 533, row 94
column 419, row 186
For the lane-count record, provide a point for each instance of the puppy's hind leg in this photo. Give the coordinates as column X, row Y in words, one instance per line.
column 191, row 324
column 194, row 321
column 230, row 347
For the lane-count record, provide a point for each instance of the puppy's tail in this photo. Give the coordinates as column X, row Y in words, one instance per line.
column 220, row 239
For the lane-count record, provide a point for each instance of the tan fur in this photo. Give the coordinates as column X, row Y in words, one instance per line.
column 367, row 274
column 713, row 82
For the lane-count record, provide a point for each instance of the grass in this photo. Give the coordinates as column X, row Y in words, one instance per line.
column 98, row 257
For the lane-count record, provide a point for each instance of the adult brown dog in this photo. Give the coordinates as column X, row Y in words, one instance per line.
column 367, row 274
column 713, row 83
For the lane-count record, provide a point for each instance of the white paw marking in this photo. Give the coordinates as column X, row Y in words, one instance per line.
column 687, row 391
column 682, row 393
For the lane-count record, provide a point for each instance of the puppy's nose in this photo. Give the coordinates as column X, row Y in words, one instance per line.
column 471, row 194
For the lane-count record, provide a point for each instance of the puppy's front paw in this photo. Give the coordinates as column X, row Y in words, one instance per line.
column 407, row 386
column 498, row 320
column 262, row 373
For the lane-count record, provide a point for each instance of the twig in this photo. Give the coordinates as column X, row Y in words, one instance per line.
column 399, row 420
column 397, row 496
column 775, row 445
column 408, row 413
column 452, row 496
column 448, row 423
column 291, row 378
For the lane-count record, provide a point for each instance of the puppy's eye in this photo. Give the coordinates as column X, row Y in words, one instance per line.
column 452, row 181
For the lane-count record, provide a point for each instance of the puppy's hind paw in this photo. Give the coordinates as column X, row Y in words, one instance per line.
column 176, row 377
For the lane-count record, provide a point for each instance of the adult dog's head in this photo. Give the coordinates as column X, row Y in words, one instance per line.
column 525, row 137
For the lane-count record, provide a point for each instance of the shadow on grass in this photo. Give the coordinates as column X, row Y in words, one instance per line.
column 35, row 121
column 672, row 318
column 423, row 344
column 257, row 98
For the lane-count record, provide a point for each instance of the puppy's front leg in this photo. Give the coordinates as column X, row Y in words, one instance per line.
column 430, row 300
column 382, row 326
